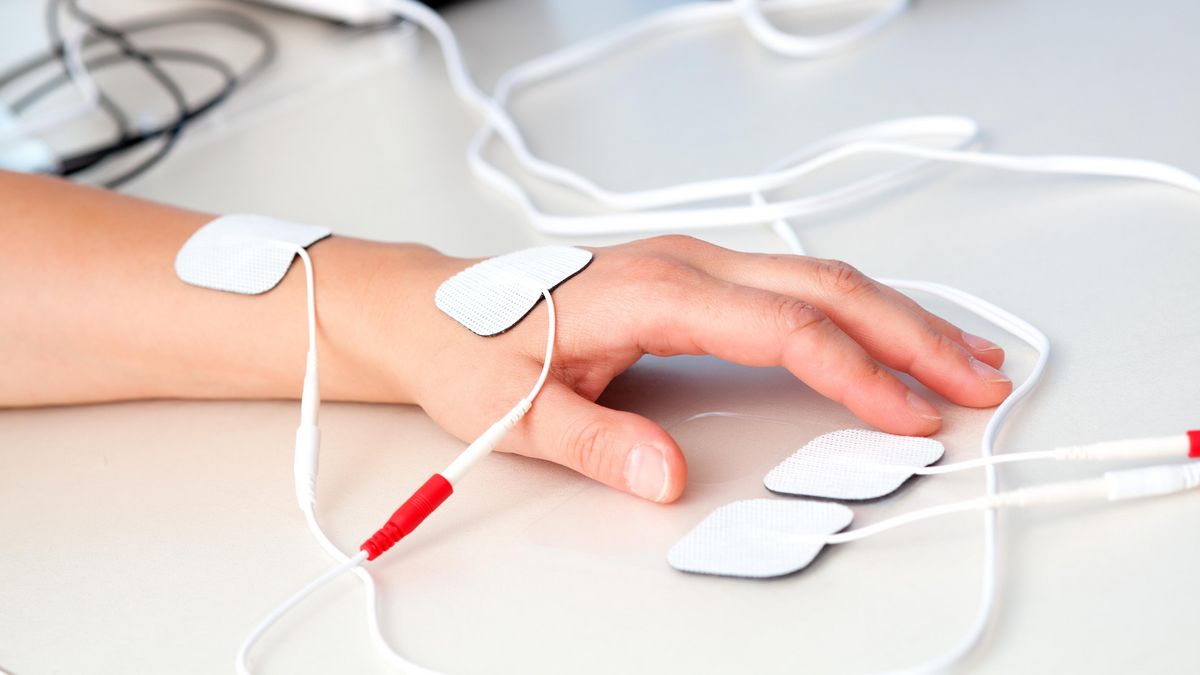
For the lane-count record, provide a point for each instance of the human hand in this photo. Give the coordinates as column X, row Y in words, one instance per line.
column 832, row 327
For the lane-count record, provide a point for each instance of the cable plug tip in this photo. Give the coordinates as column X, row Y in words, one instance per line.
column 410, row 515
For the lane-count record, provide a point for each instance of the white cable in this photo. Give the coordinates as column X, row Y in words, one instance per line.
column 982, row 462
column 88, row 91
column 307, row 448
column 875, row 139
column 295, row 599
column 964, row 132
column 898, row 137
column 310, row 296
column 1040, row 343
column 1151, row 481
column 1177, row 446
column 489, row 439
column 393, row 657
column 305, row 482
column 821, row 45
column 551, row 329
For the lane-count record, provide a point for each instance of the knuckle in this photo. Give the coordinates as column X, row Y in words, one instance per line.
column 874, row 370
column 934, row 347
column 675, row 242
column 841, row 278
column 586, row 444
column 942, row 346
column 792, row 316
column 657, row 269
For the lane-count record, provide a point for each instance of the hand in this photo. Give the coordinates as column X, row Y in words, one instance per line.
column 832, row 327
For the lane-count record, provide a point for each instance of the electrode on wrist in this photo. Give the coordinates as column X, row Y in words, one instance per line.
column 243, row 253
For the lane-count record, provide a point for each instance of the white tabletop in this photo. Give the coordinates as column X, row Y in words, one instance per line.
column 149, row 537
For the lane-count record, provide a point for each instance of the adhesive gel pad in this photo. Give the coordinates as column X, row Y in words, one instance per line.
column 853, row 464
column 759, row 538
column 242, row 253
column 492, row 296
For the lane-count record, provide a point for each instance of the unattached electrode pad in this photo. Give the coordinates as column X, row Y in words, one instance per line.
column 242, row 253
column 759, row 538
column 492, row 296
column 852, row 464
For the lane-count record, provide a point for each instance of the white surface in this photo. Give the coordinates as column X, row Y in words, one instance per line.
column 153, row 535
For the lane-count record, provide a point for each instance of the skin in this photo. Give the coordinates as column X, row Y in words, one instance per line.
column 93, row 312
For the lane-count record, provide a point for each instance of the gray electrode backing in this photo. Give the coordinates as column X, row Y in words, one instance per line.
column 492, row 296
column 243, row 253
column 852, row 464
column 759, row 538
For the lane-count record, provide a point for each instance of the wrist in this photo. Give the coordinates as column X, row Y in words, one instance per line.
column 382, row 294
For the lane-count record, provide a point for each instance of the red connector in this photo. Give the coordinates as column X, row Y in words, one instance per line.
column 409, row 515
column 1194, row 440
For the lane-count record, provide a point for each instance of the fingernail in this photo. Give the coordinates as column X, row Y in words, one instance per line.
column 979, row 344
column 646, row 472
column 986, row 372
column 922, row 408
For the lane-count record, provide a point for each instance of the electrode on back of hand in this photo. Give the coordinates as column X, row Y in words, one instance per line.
column 488, row 298
column 494, row 295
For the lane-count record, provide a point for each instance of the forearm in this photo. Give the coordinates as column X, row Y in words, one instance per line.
column 93, row 311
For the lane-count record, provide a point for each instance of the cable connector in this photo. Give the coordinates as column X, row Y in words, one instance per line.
column 410, row 514
column 1161, row 447
column 308, row 446
column 1053, row 493
column 1152, row 481
column 308, row 436
column 487, row 441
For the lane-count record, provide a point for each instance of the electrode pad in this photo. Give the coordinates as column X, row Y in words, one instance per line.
column 492, row 296
column 759, row 538
column 242, row 253
column 852, row 464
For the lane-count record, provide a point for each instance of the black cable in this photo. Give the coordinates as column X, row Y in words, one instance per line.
column 150, row 65
column 239, row 22
column 54, row 30
column 87, row 159
column 47, row 87
column 148, row 59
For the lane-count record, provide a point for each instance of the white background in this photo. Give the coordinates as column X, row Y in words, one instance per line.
column 149, row 537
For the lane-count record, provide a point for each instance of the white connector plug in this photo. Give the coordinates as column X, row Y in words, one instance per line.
column 28, row 154
column 1152, row 481
column 308, row 435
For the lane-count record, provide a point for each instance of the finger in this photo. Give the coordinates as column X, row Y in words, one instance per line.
column 620, row 449
column 900, row 338
column 756, row 327
column 981, row 348
column 731, row 265
column 892, row 328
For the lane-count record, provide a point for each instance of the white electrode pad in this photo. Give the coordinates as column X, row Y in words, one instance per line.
column 759, row 538
column 242, row 253
column 492, row 296
column 852, row 464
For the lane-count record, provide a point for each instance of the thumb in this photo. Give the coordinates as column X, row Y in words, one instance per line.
column 620, row 449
